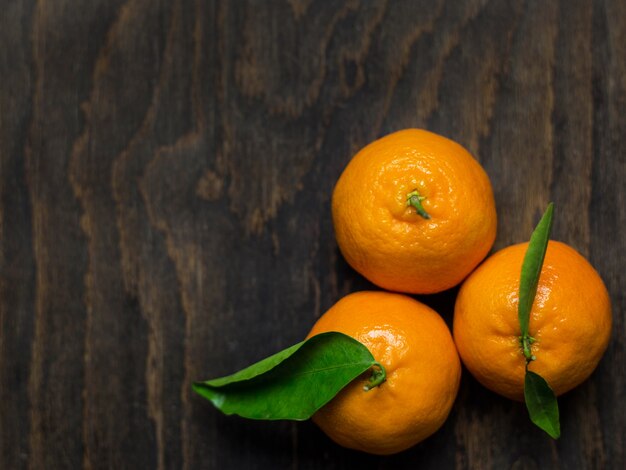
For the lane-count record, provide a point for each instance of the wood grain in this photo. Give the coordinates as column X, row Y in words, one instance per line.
column 165, row 176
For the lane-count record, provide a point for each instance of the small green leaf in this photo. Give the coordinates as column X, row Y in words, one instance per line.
column 292, row 384
column 531, row 268
column 541, row 403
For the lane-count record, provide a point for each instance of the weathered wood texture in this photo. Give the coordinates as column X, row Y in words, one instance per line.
column 165, row 175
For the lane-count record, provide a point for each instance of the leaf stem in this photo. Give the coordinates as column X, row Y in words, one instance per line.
column 526, row 341
column 379, row 375
column 414, row 199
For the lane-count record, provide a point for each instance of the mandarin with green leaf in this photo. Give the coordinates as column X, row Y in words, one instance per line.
column 416, row 351
column 569, row 325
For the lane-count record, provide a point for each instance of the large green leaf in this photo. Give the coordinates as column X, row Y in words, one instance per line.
column 541, row 403
column 531, row 268
column 292, row 384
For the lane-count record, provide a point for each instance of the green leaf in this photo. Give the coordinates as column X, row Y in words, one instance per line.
column 541, row 403
column 540, row 399
column 292, row 384
column 531, row 268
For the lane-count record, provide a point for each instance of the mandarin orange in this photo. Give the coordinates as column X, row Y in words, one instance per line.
column 423, row 370
column 570, row 321
column 414, row 212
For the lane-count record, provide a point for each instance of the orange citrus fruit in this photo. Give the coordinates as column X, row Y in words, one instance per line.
column 414, row 212
column 422, row 366
column 570, row 321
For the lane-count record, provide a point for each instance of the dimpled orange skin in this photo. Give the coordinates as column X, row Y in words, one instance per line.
column 570, row 321
column 388, row 242
column 423, row 371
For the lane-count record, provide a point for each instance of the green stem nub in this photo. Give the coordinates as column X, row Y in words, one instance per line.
column 414, row 199
column 527, row 340
column 379, row 375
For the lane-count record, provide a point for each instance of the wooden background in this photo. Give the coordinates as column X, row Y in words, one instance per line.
column 165, row 175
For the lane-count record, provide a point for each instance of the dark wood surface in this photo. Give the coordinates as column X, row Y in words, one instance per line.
column 165, row 175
